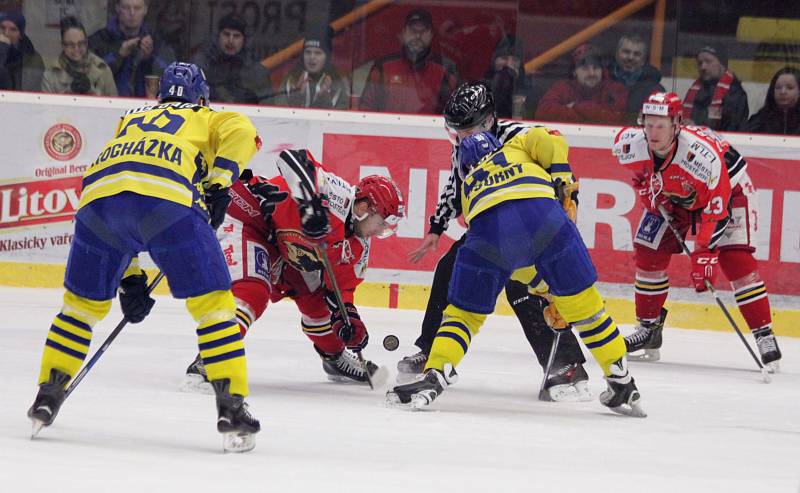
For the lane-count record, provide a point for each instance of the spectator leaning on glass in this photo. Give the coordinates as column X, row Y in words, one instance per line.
column 413, row 80
column 506, row 76
column 77, row 70
column 630, row 70
column 129, row 49
column 716, row 99
column 588, row 97
column 235, row 76
column 781, row 111
column 23, row 66
column 314, row 82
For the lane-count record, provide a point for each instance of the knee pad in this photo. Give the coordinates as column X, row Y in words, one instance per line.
column 213, row 306
column 738, row 264
column 581, row 306
column 651, row 260
column 89, row 311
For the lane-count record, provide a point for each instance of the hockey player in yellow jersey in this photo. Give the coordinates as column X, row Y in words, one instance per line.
column 161, row 186
column 516, row 228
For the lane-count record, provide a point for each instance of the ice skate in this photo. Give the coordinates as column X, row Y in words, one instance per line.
column 48, row 401
column 646, row 338
column 410, row 367
column 567, row 384
column 768, row 349
column 234, row 421
column 421, row 392
column 345, row 367
column 196, row 380
column 622, row 396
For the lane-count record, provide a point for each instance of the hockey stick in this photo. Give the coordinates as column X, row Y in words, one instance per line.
column 96, row 356
column 710, row 287
column 323, row 255
column 543, row 396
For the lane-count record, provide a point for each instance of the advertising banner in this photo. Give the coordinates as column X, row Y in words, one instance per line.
column 49, row 140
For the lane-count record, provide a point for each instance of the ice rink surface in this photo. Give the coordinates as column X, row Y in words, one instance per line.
column 712, row 426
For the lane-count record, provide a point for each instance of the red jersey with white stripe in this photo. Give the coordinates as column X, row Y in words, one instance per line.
column 694, row 175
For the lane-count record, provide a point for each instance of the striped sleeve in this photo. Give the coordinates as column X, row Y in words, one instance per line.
column 736, row 165
column 449, row 205
column 237, row 142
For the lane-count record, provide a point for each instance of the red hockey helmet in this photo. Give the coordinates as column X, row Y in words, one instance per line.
column 384, row 199
column 663, row 104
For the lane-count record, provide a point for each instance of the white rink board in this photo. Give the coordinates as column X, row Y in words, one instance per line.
column 712, row 426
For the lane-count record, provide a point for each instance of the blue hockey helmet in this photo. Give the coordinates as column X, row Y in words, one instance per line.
column 474, row 148
column 183, row 82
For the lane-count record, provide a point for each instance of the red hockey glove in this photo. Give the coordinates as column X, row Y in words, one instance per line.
column 354, row 336
column 704, row 268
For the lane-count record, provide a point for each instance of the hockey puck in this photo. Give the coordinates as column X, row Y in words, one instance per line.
column 391, row 342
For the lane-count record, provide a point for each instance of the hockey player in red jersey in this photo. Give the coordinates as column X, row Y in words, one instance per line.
column 270, row 239
column 702, row 182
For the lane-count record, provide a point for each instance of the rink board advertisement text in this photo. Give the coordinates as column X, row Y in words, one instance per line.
column 49, row 140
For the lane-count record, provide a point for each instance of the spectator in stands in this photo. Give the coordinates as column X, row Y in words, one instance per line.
column 588, row 97
column 22, row 64
column 314, row 82
column 506, row 77
column 639, row 78
column 234, row 75
column 77, row 70
column 716, row 99
column 413, row 80
column 781, row 111
column 129, row 49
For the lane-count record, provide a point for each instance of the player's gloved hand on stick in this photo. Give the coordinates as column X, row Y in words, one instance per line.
column 268, row 196
column 705, row 265
column 354, row 336
column 314, row 219
column 217, row 200
column 133, row 298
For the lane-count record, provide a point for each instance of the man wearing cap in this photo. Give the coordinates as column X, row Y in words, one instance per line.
column 234, row 75
column 413, row 80
column 588, row 97
column 717, row 98
column 314, row 82
column 21, row 67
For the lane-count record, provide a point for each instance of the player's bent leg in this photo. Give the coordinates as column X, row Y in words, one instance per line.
column 651, row 290
column 413, row 365
column 751, row 296
column 66, row 347
column 219, row 339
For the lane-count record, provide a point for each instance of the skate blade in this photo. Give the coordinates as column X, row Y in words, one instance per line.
column 773, row 366
column 765, row 376
column 633, row 408
column 237, row 442
column 36, row 427
column 578, row 392
column 651, row 355
column 393, row 401
column 196, row 384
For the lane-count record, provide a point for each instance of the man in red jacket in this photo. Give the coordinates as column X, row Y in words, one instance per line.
column 588, row 97
column 413, row 80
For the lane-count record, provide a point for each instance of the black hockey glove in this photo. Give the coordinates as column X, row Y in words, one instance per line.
column 217, row 200
column 133, row 298
column 268, row 196
column 314, row 219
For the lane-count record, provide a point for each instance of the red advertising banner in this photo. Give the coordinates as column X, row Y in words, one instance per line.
column 608, row 213
column 30, row 203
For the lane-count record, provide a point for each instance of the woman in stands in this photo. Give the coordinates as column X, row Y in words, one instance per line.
column 781, row 111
